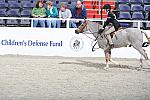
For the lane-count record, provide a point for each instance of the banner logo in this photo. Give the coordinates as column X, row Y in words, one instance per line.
column 76, row 44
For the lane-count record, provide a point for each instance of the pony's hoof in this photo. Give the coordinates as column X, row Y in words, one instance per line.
column 106, row 68
column 139, row 69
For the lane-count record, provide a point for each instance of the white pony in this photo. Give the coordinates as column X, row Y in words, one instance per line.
column 122, row 38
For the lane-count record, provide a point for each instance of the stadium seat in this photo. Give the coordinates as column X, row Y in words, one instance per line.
column 27, row 4
column 123, row 1
column 26, row 13
column 2, row 22
column 12, row 22
column 135, row 25
column 138, row 16
column 12, row 1
column 147, row 25
column 147, row 2
column 2, row 0
column 124, row 8
column 136, row 1
column 124, row 16
column 147, row 8
column 14, row 5
column 136, row 8
column 3, row 13
column 13, row 13
column 25, row 22
column 126, row 24
column 3, row 5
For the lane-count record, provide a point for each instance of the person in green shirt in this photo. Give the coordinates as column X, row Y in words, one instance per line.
column 39, row 12
column 51, row 12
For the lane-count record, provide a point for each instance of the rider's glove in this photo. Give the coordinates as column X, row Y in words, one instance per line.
column 101, row 30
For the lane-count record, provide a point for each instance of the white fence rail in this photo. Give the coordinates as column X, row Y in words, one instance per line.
column 67, row 25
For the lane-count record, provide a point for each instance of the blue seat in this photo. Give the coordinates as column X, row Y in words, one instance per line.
column 3, row 13
column 25, row 22
column 2, row 0
column 137, row 8
column 27, row 4
column 12, row 1
column 3, row 5
column 146, row 2
column 124, row 16
column 12, row 22
column 14, row 4
column 13, row 13
column 125, row 24
column 147, row 8
column 2, row 22
column 123, row 1
column 124, row 8
column 138, row 16
column 136, row 1
column 26, row 13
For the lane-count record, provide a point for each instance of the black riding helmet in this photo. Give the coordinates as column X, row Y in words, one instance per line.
column 107, row 6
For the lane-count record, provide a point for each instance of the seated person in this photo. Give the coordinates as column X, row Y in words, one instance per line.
column 78, row 12
column 51, row 12
column 64, row 13
column 39, row 12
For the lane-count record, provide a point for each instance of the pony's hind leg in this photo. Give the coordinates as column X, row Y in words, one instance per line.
column 143, row 53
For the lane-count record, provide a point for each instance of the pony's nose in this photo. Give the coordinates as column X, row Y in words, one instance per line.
column 76, row 31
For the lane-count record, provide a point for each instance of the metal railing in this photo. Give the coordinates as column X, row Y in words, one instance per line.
column 67, row 20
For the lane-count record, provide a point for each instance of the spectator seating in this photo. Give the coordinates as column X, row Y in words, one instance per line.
column 124, row 8
column 127, row 9
column 13, row 13
column 138, row 16
column 146, row 2
column 123, row 1
column 136, row 1
column 124, row 16
column 3, row 12
column 2, row 22
column 137, row 8
column 12, row 22
column 26, row 13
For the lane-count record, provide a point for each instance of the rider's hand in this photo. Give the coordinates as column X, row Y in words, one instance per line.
column 101, row 30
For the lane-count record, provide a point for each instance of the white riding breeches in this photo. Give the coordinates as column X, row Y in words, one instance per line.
column 112, row 29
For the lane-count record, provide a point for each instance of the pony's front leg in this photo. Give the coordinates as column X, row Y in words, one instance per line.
column 107, row 58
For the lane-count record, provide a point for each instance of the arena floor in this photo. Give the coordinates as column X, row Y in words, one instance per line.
column 60, row 78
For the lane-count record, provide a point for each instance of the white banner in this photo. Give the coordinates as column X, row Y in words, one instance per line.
column 55, row 42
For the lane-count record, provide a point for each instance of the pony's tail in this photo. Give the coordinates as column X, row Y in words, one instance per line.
column 148, row 38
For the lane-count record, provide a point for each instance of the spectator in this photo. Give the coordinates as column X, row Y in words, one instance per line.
column 39, row 12
column 64, row 13
column 51, row 12
column 78, row 12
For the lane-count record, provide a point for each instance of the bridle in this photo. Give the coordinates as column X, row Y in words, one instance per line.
column 82, row 27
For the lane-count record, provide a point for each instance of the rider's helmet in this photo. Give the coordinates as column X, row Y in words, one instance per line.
column 107, row 7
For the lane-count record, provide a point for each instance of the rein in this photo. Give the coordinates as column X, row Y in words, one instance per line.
column 93, row 46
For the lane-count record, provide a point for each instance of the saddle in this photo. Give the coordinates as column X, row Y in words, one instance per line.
column 114, row 33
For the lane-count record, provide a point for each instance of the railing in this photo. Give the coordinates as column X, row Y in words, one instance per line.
column 67, row 20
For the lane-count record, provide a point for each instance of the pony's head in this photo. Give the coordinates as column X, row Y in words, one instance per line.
column 81, row 27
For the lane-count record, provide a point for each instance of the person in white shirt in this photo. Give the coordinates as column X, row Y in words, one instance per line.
column 64, row 13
